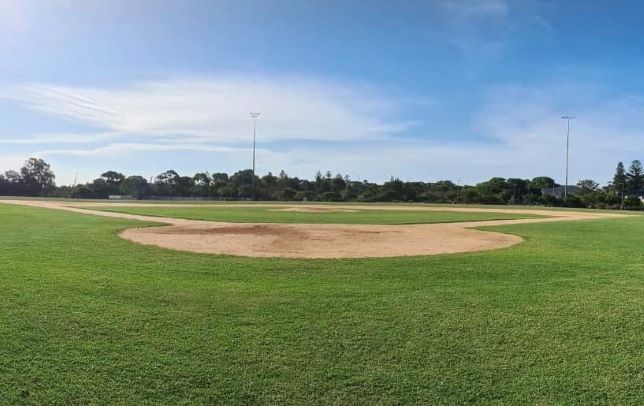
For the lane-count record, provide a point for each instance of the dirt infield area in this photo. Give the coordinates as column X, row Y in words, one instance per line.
column 321, row 240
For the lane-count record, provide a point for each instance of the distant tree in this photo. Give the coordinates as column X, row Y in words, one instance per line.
column 393, row 190
column 169, row 177
column 201, row 179
column 201, row 184
column 338, row 184
column 37, row 177
column 620, row 180
column 185, row 186
column 241, row 183
column 470, row 194
column 135, row 186
column 166, row 183
column 12, row 176
column 589, row 193
column 101, row 189
column 632, row 203
column 12, row 184
column 541, row 182
column 635, row 177
column 550, row 201
column 268, row 187
column 494, row 191
column 517, row 188
column 83, row 192
column 219, row 179
column 113, row 178
column 108, row 184
column 588, row 186
column 320, row 184
column 574, row 201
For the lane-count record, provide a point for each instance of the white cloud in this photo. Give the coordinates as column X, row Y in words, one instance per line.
column 61, row 138
column 128, row 148
column 217, row 109
column 206, row 118
column 525, row 121
column 519, row 132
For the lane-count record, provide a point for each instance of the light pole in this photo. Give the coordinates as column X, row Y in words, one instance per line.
column 254, row 116
column 567, row 118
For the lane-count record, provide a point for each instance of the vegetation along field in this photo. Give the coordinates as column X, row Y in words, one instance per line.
column 87, row 317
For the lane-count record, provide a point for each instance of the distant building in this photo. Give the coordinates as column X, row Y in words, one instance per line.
column 640, row 194
column 559, row 191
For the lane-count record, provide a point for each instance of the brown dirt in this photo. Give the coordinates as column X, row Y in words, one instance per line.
column 320, row 240
column 259, row 229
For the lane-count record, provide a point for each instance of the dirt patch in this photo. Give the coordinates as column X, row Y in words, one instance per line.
column 323, row 240
column 253, row 229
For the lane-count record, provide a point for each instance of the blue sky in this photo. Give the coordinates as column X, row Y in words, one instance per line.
column 429, row 90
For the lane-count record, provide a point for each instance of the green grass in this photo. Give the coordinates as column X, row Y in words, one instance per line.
column 274, row 215
column 86, row 317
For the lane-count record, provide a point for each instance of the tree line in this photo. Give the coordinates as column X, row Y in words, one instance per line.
column 36, row 178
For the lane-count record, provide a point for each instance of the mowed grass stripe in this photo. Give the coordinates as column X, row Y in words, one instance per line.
column 277, row 215
column 86, row 317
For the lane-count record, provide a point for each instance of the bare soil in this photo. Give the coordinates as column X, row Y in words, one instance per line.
column 320, row 240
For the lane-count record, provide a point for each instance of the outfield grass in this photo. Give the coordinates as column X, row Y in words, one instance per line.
column 86, row 317
column 274, row 215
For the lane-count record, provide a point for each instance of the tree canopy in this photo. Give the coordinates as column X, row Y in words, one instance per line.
column 36, row 178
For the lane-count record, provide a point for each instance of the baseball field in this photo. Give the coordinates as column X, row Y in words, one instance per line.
column 325, row 304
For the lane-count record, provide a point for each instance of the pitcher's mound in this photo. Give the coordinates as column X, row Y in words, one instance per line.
column 320, row 240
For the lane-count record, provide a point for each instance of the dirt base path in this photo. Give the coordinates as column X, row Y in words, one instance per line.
column 319, row 240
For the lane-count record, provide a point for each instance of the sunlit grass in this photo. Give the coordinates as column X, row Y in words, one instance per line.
column 86, row 317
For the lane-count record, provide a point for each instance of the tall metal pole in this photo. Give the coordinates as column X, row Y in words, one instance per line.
column 567, row 159
column 567, row 118
column 254, row 116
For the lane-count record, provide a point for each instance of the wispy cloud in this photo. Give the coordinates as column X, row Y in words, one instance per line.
column 204, row 125
column 61, row 138
column 484, row 29
column 171, row 120
column 217, row 109
column 526, row 122
column 129, row 148
column 520, row 134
